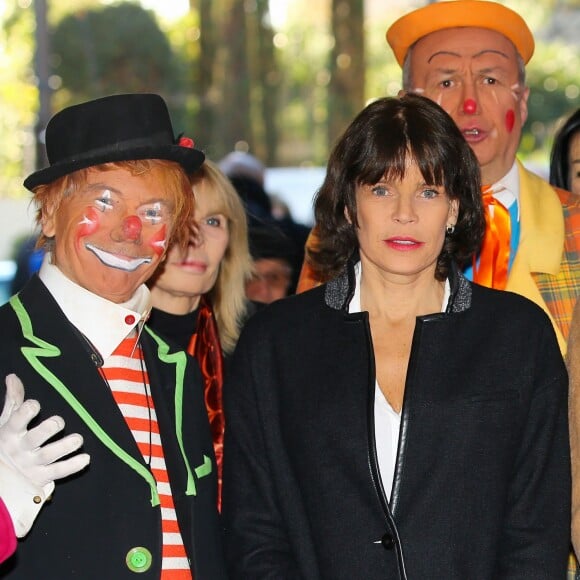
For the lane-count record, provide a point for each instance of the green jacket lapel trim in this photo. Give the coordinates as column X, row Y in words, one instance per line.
column 179, row 359
column 45, row 349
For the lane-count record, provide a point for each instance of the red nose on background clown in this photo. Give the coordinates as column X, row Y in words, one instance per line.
column 469, row 106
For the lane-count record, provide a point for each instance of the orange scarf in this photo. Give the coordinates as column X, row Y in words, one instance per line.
column 492, row 270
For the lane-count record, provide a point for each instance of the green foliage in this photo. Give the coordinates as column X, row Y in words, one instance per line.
column 303, row 50
column 118, row 48
column 101, row 47
column 554, row 92
column 183, row 36
column 18, row 97
column 383, row 71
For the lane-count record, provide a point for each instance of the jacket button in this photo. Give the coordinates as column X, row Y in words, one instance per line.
column 139, row 559
column 388, row 541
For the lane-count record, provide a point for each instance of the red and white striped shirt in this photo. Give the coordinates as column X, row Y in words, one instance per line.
column 126, row 375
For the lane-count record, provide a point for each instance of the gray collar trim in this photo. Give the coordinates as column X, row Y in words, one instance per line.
column 339, row 291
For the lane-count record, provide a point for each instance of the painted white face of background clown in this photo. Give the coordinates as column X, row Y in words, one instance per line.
column 111, row 235
column 472, row 73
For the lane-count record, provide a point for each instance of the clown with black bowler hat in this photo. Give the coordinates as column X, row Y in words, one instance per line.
column 115, row 195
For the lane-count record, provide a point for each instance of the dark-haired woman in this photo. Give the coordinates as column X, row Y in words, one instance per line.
column 565, row 155
column 398, row 421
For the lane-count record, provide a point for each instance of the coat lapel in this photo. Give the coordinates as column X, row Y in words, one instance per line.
column 167, row 384
column 69, row 370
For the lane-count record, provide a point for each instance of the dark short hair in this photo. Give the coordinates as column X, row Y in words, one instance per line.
column 559, row 163
column 378, row 144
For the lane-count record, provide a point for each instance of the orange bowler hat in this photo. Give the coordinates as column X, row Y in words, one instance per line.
column 458, row 14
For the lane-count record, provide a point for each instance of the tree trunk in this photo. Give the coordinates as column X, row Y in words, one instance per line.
column 235, row 121
column 268, row 81
column 347, row 67
column 205, row 79
column 42, row 71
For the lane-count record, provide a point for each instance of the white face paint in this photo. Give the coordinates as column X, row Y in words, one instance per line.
column 516, row 91
column 114, row 261
column 159, row 245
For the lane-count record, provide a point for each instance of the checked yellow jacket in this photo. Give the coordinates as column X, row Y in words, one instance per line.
column 546, row 268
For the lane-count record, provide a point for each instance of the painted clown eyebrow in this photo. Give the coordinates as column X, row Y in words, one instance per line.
column 476, row 55
column 103, row 187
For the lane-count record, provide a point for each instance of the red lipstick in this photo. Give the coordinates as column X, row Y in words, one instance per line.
column 403, row 243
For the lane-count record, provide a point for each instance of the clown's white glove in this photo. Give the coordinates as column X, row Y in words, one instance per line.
column 28, row 468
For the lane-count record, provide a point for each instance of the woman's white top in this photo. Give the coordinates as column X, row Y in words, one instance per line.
column 387, row 420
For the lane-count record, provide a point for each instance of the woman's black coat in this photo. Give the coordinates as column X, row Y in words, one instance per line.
column 482, row 480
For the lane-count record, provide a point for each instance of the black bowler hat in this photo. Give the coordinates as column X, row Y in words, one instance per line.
column 114, row 128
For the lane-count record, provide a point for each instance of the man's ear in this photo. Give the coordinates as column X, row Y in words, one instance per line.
column 524, row 105
column 48, row 221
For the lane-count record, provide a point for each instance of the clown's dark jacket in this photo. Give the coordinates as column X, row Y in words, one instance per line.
column 97, row 516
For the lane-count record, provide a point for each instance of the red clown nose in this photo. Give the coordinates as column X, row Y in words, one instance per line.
column 469, row 106
column 132, row 227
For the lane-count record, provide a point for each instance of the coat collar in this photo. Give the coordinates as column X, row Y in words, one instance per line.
column 104, row 323
column 339, row 291
column 542, row 226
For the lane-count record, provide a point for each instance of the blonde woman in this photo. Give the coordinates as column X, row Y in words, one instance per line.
column 198, row 293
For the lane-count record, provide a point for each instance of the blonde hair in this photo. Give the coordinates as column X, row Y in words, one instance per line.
column 49, row 196
column 228, row 296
